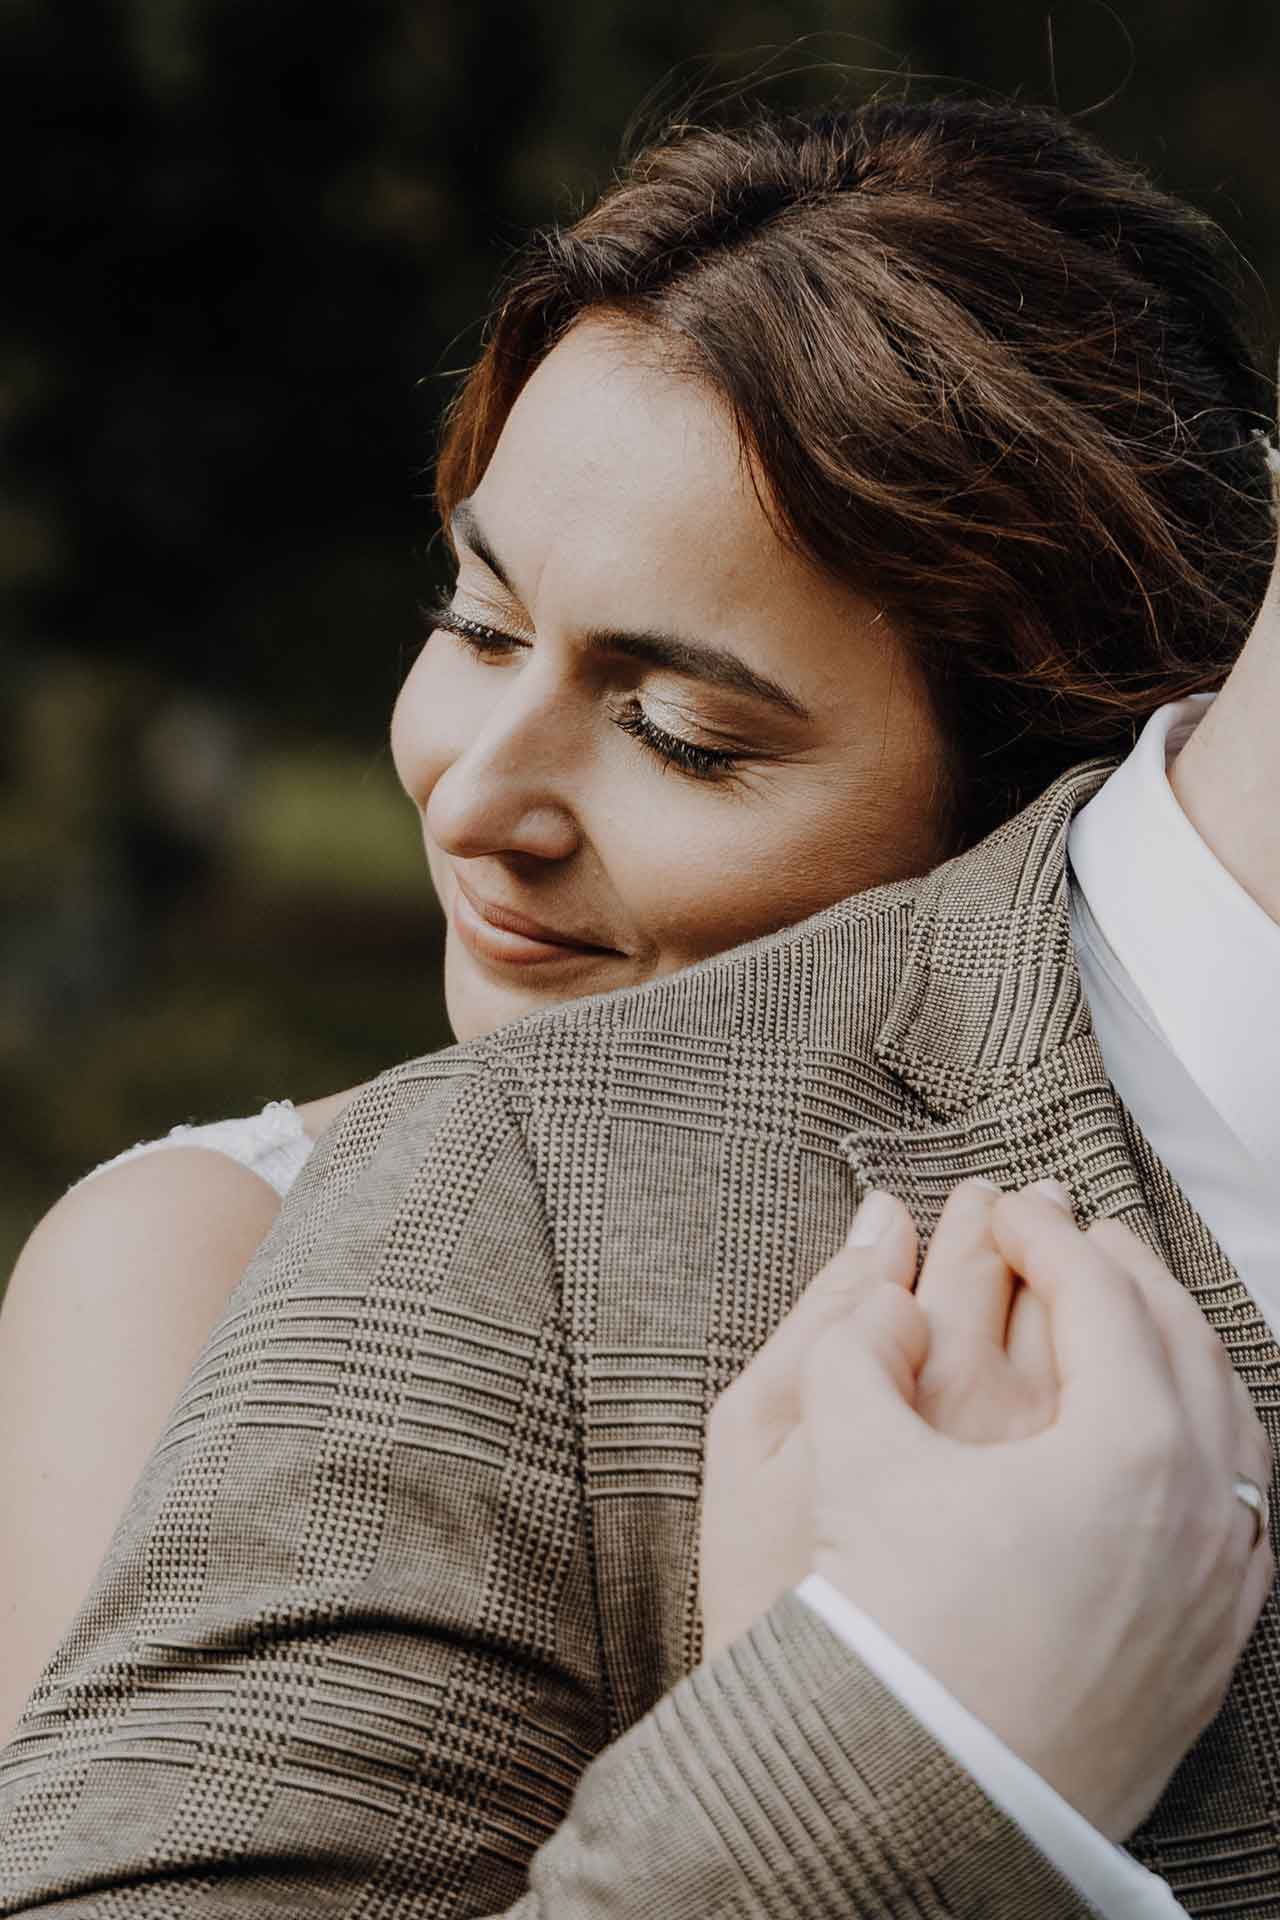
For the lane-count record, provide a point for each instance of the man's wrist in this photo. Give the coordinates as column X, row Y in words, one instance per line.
column 781, row 1777
column 1110, row 1879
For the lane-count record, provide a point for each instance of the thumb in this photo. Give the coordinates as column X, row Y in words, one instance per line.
column 859, row 1387
column 882, row 1248
column 880, row 1251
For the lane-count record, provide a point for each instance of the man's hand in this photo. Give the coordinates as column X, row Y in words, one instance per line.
column 1065, row 1554
column 987, row 1375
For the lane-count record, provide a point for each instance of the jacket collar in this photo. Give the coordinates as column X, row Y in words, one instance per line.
column 990, row 986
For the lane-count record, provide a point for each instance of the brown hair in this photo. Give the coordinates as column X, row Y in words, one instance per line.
column 992, row 377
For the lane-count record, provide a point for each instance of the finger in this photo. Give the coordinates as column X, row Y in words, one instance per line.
column 966, row 1286
column 1255, row 1586
column 1029, row 1344
column 766, row 1394
column 1107, row 1346
column 1217, row 1404
column 1259, row 1462
column 1222, row 1415
column 858, row 1387
column 881, row 1245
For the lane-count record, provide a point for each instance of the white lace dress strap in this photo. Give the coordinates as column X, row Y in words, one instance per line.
column 272, row 1143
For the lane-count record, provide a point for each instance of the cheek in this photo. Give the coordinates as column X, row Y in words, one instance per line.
column 715, row 873
column 726, row 873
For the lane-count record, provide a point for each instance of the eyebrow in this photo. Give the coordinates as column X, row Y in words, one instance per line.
column 718, row 666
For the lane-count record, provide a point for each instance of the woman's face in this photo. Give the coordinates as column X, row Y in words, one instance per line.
column 658, row 732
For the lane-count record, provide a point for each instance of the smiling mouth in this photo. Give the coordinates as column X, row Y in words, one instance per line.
column 499, row 934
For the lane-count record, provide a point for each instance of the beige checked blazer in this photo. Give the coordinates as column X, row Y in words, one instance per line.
column 401, row 1619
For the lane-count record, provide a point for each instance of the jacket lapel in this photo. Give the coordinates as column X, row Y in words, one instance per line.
column 991, row 1032
column 1062, row 1119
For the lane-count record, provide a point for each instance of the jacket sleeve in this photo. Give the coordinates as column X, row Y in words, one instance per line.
column 780, row 1778
column 343, row 1656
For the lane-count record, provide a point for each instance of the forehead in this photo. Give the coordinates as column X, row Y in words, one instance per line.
column 610, row 458
column 619, row 493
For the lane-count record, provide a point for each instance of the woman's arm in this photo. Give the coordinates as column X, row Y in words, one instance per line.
column 112, row 1298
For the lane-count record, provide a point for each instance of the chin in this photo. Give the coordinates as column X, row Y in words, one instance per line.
column 478, row 1003
column 478, row 1006
column 473, row 1015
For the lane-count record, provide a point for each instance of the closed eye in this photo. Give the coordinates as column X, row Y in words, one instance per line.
column 489, row 643
column 440, row 617
column 704, row 763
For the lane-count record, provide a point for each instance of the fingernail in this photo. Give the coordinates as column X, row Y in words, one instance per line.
column 1055, row 1191
column 872, row 1220
column 981, row 1180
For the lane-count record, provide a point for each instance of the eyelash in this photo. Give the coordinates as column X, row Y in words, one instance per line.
column 701, row 763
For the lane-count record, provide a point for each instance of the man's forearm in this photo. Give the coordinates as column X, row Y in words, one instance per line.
column 781, row 1778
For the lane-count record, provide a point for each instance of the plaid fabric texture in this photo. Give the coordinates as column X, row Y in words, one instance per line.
column 401, row 1619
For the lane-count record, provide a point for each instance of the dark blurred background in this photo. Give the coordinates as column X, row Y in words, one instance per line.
column 248, row 248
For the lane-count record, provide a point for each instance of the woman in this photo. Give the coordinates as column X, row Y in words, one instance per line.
column 819, row 498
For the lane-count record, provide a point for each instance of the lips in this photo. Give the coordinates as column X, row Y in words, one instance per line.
column 500, row 934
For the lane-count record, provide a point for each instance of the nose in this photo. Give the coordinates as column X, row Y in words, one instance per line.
column 507, row 790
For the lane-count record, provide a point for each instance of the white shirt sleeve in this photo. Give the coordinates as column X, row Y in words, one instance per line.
column 1110, row 1879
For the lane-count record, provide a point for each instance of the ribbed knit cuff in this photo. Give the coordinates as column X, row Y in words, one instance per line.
column 782, row 1778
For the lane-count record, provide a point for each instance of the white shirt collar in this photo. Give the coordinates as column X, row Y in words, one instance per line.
column 1202, row 953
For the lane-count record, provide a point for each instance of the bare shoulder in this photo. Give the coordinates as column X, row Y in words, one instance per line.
column 181, row 1206
column 131, row 1220
column 316, row 1115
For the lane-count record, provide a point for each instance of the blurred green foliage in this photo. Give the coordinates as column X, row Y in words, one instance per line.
column 248, row 248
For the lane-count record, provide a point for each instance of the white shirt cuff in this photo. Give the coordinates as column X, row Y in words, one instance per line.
column 1103, row 1873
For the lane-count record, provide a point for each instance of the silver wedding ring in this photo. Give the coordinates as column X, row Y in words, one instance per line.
column 1256, row 1500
